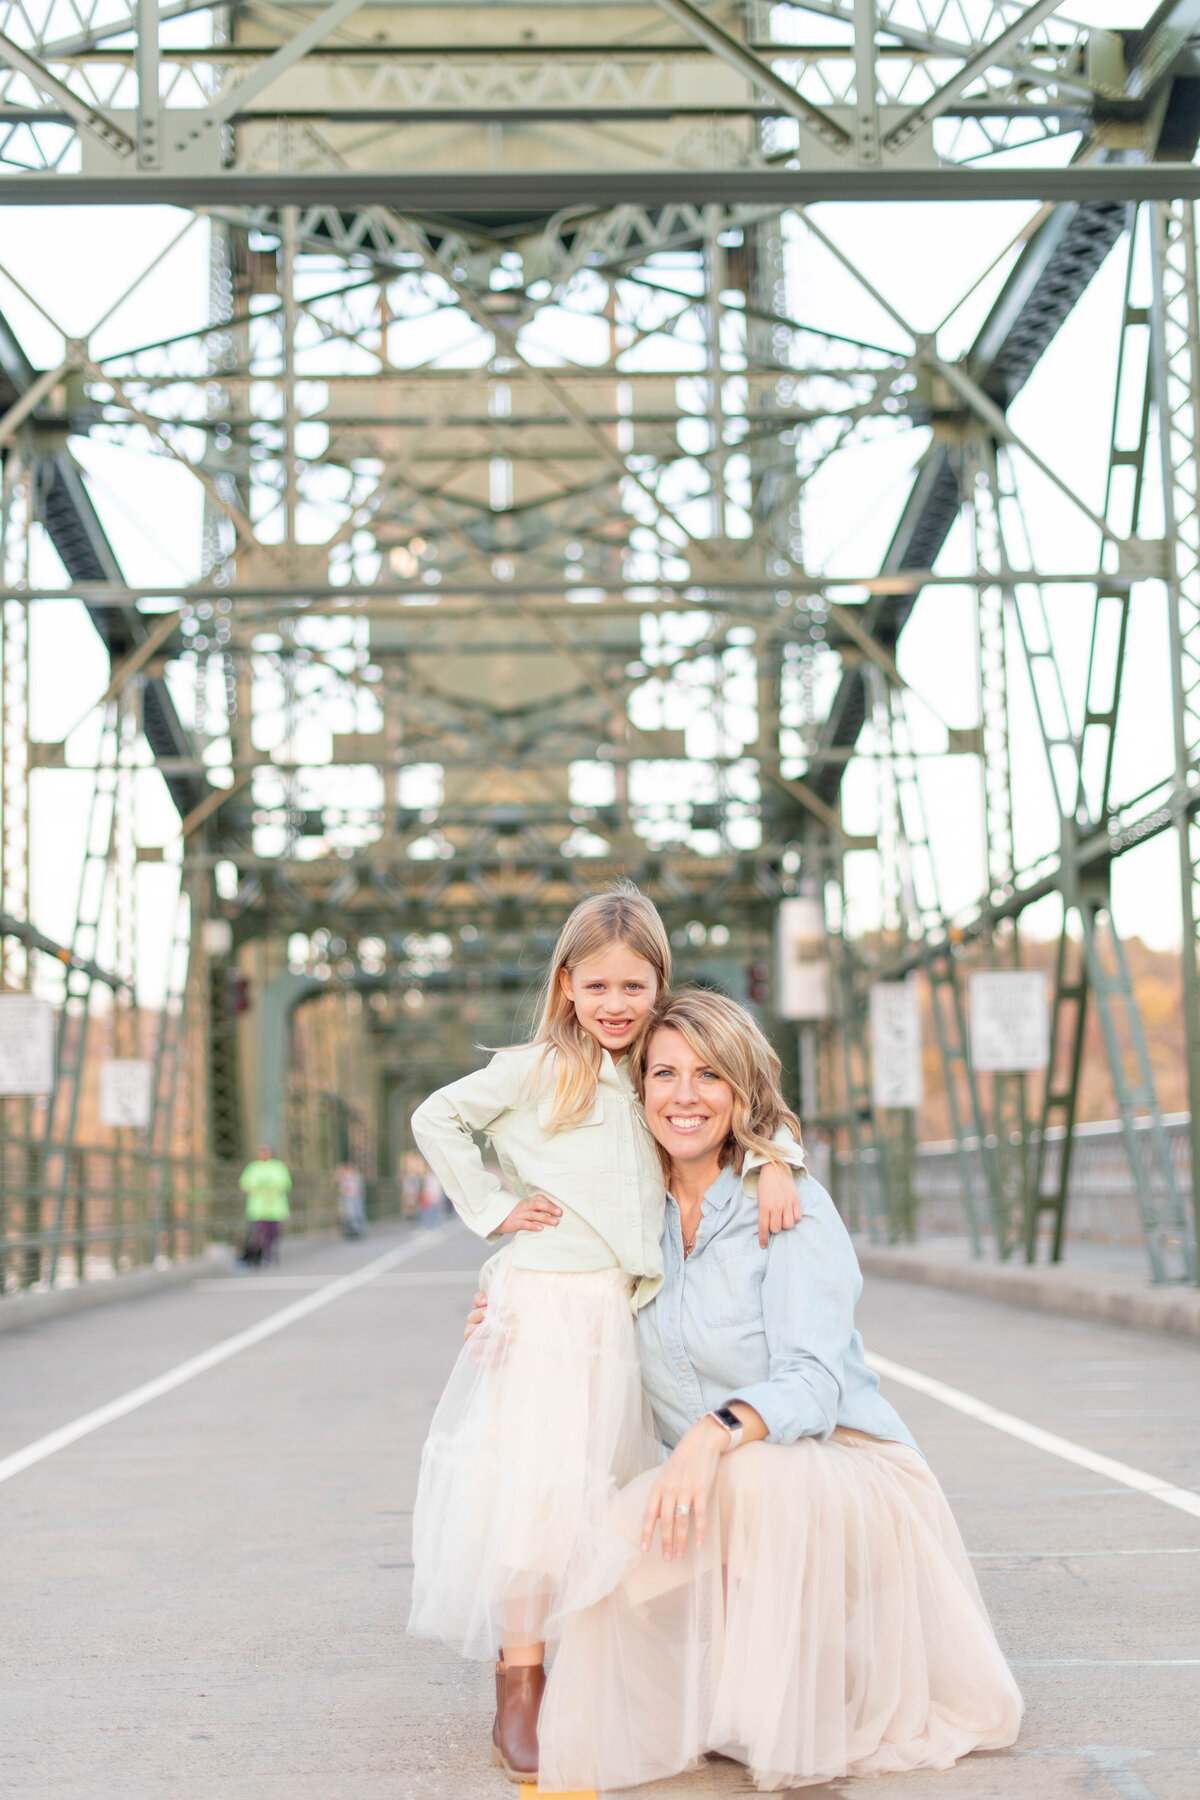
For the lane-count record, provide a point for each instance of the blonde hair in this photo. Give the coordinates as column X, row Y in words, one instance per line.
column 622, row 915
column 728, row 1040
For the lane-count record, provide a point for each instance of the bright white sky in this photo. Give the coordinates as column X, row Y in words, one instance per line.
column 76, row 263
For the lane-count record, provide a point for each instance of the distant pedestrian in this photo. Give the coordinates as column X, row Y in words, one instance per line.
column 351, row 1193
column 265, row 1183
column 433, row 1199
column 412, row 1169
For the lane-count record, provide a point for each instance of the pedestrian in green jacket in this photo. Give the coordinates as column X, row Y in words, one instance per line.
column 265, row 1182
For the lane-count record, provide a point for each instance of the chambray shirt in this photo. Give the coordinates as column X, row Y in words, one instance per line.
column 773, row 1327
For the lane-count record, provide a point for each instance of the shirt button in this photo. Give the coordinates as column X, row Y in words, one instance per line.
column 683, row 1368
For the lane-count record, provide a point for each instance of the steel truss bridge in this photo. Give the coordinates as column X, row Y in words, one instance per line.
column 505, row 415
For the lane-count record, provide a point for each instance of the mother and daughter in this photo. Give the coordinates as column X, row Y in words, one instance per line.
column 788, row 1587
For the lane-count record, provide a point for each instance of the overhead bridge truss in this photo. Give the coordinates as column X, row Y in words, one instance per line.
column 505, row 414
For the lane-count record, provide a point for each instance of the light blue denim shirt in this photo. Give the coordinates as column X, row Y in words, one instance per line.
column 772, row 1327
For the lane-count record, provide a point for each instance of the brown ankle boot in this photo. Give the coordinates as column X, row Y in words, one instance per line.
column 514, row 1735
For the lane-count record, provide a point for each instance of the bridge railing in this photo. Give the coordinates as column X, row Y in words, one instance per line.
column 1101, row 1205
column 88, row 1213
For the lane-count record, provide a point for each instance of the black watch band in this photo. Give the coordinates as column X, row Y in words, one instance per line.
column 725, row 1415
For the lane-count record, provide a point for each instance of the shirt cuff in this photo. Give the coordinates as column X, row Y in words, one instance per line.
column 778, row 1414
column 486, row 1219
column 791, row 1154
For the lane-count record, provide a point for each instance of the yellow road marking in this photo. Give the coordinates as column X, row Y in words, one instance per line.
column 529, row 1791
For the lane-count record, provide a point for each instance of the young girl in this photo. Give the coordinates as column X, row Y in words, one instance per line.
column 502, row 1505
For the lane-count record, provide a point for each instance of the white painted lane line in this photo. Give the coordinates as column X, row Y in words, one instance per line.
column 275, row 1322
column 1049, row 1441
column 1104, row 1662
column 1074, row 1555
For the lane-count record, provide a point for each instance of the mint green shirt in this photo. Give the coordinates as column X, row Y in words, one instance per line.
column 266, row 1185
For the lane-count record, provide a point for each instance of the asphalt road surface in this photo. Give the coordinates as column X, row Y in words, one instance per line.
column 205, row 1584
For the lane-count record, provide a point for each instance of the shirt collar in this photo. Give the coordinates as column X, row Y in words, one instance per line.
column 722, row 1191
column 615, row 1074
column 718, row 1196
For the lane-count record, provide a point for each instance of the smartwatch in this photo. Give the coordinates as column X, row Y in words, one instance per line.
column 725, row 1415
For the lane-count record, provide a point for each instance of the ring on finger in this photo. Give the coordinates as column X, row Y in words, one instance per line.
column 682, row 1512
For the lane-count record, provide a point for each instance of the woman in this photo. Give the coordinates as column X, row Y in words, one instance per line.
column 791, row 1589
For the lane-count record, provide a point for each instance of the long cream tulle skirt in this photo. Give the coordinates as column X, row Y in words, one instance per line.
column 832, row 1626
column 542, row 1422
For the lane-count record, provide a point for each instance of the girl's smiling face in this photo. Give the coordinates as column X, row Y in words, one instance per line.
column 611, row 994
column 689, row 1107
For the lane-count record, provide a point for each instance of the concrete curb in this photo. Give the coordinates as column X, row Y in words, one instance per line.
column 1098, row 1294
column 20, row 1310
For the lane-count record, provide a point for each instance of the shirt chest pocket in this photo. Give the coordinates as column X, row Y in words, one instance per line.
column 576, row 1149
column 732, row 1287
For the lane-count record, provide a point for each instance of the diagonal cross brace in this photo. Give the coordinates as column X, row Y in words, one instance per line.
column 88, row 118
column 983, row 59
column 233, row 99
column 715, row 38
column 967, row 390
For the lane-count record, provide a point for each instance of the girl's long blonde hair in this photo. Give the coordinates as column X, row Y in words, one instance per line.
column 623, row 915
column 728, row 1040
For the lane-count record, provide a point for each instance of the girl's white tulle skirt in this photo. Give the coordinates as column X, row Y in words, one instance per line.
column 832, row 1626
column 542, row 1421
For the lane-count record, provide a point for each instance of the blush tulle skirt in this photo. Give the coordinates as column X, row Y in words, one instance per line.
column 832, row 1626
column 541, row 1423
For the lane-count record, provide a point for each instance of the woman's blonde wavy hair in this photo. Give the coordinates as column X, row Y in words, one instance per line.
column 621, row 915
column 729, row 1042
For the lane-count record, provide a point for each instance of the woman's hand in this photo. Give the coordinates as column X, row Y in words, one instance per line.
column 778, row 1201
column 685, row 1479
column 476, row 1317
column 533, row 1214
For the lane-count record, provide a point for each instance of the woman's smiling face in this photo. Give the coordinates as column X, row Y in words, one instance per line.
column 689, row 1107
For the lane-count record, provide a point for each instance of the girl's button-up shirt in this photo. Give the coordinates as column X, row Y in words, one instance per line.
column 604, row 1172
column 772, row 1327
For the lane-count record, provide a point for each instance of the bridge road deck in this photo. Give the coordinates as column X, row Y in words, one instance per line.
column 205, row 1598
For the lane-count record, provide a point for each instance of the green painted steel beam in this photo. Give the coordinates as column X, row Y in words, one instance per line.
column 481, row 194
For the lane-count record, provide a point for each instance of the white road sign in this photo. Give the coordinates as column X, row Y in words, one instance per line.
column 803, row 985
column 216, row 937
column 1010, row 1019
column 126, row 1094
column 896, row 1077
column 26, row 1045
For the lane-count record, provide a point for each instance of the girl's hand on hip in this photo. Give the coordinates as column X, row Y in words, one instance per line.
column 494, row 1344
column 778, row 1201
column 686, row 1479
column 533, row 1214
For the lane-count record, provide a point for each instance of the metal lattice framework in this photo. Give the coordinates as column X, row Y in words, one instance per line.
column 505, row 417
